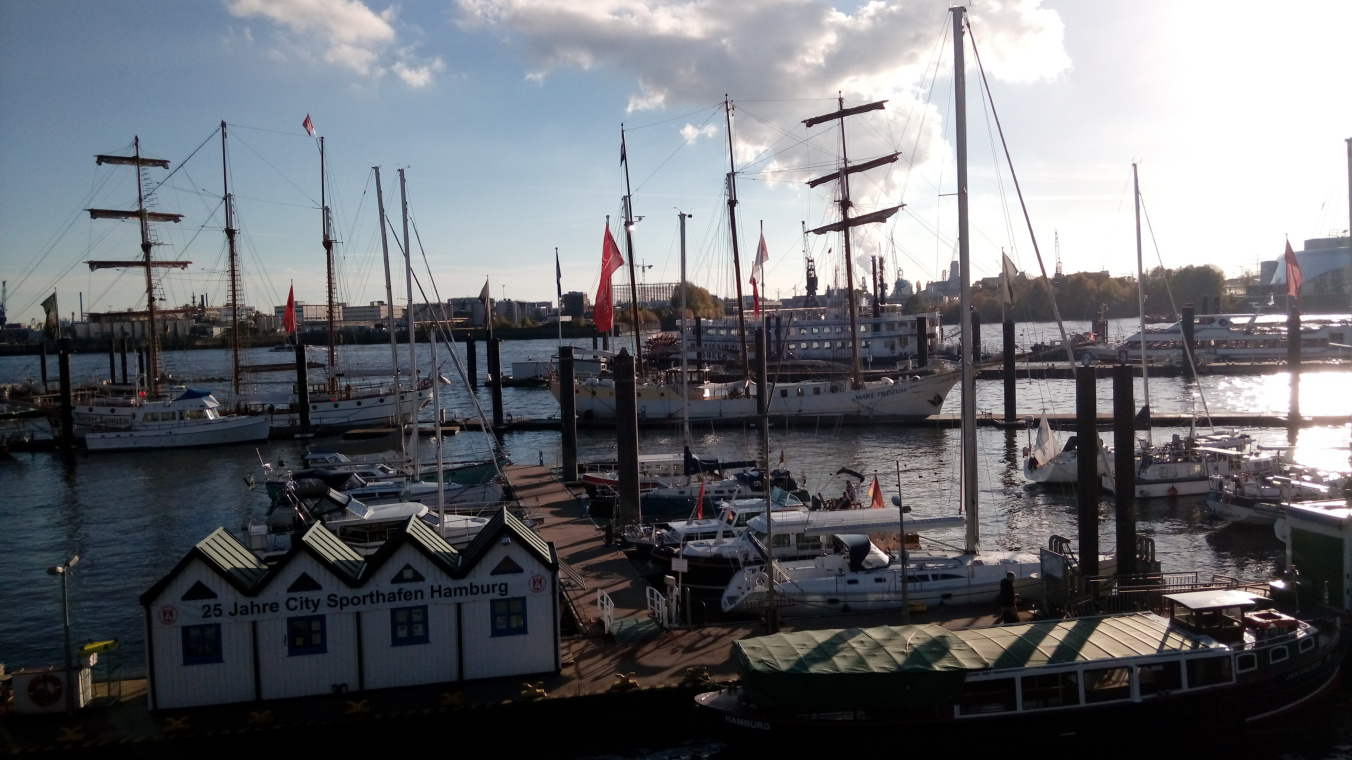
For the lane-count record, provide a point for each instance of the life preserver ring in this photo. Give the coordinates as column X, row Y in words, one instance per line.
column 45, row 690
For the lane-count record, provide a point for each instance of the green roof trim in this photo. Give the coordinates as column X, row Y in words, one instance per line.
column 343, row 559
column 436, row 547
column 914, row 666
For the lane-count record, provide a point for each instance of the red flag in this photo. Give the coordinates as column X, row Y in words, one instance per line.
column 876, row 494
column 610, row 261
column 1292, row 272
column 289, row 318
column 309, row 126
column 699, row 505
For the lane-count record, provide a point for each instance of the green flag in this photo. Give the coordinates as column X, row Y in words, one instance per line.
column 51, row 328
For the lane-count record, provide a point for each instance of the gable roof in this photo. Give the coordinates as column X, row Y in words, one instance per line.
column 327, row 547
column 224, row 555
column 425, row 540
column 504, row 523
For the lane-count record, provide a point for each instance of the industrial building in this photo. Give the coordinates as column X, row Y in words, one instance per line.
column 224, row 627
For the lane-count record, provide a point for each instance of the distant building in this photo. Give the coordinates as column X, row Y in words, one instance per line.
column 1325, row 274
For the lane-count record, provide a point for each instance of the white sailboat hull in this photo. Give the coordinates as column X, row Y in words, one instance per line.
column 1063, row 468
column 213, row 432
column 906, row 397
column 341, row 412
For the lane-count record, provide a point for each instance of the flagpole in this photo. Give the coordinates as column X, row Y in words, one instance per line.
column 558, row 278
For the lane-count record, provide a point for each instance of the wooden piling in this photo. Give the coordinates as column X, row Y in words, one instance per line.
column 1087, row 486
column 1124, row 468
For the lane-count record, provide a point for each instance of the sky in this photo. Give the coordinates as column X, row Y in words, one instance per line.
column 506, row 116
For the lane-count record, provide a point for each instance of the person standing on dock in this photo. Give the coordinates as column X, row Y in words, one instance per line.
column 1008, row 612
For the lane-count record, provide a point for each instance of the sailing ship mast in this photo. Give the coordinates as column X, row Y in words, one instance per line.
column 412, row 338
column 328, row 258
column 968, row 345
column 145, row 218
column 847, row 223
column 234, row 263
column 629, row 251
column 732, row 229
column 1140, row 297
column 389, row 299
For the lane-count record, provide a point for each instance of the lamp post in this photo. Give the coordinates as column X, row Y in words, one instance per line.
column 62, row 570
column 905, row 556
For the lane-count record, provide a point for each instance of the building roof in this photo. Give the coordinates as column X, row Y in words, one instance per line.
column 505, row 523
column 911, row 665
column 343, row 559
column 224, row 555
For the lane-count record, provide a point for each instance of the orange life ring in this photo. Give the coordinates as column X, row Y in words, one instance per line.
column 45, row 690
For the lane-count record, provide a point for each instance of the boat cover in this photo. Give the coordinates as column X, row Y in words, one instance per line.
column 191, row 393
column 921, row 666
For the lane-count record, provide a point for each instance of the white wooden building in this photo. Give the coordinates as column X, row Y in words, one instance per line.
column 223, row 627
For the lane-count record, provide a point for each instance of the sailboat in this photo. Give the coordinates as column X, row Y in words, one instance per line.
column 150, row 420
column 1048, row 461
column 1183, row 466
column 858, row 576
column 673, row 397
column 335, row 404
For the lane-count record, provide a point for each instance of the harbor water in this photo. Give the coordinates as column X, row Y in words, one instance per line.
column 131, row 517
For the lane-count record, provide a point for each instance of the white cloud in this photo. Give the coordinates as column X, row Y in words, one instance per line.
column 781, row 53
column 346, row 33
column 692, row 133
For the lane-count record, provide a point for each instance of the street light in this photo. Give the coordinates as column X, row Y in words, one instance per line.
column 61, row 570
column 905, row 569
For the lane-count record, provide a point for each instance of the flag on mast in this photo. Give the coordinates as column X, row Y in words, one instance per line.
column 558, row 276
column 610, row 261
column 309, row 126
column 699, row 505
column 51, row 324
column 1009, row 271
column 488, row 307
column 758, row 271
column 875, row 493
column 289, row 318
column 1292, row 272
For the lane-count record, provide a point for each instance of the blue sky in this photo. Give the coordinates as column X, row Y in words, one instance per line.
column 506, row 115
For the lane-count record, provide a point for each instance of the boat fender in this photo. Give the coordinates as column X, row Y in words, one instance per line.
column 1025, row 451
column 1173, row 491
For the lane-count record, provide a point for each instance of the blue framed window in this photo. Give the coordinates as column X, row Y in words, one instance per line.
column 201, row 644
column 408, row 625
column 306, row 635
column 509, row 616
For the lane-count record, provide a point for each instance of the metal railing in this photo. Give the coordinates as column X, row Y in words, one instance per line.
column 606, row 611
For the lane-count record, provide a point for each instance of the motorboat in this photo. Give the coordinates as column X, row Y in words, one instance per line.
column 191, row 419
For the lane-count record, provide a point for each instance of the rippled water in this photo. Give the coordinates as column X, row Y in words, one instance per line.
column 131, row 516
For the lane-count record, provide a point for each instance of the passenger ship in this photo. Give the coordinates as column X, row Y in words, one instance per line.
column 1214, row 660
column 1238, row 338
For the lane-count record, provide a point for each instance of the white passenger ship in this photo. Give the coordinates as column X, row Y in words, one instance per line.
column 1238, row 338
column 886, row 341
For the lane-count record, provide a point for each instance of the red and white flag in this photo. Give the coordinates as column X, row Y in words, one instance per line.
column 875, row 493
column 1292, row 272
column 604, row 313
column 289, row 318
column 309, row 125
column 758, row 272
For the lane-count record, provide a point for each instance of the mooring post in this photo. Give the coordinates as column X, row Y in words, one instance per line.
column 124, row 360
column 976, row 336
column 1010, row 401
column 628, row 511
column 302, row 388
column 67, row 402
column 495, row 379
column 568, row 413
column 1189, row 320
column 1124, row 468
column 472, row 358
column 1293, row 364
column 763, row 410
column 1087, row 485
column 112, row 361
column 42, row 351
